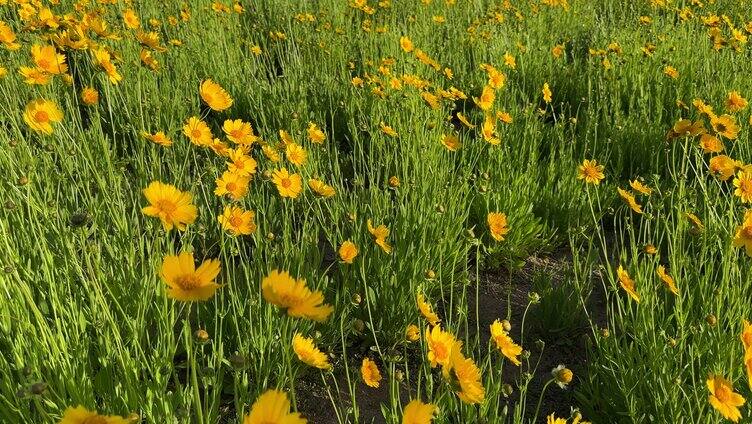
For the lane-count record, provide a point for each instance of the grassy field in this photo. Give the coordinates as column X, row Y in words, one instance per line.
column 276, row 211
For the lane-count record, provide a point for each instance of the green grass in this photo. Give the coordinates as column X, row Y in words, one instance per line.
column 84, row 310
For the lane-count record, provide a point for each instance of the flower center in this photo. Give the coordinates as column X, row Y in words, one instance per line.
column 286, row 183
column 41, row 116
column 237, row 133
column 747, row 232
column 187, row 281
column 745, row 186
column 166, row 206
column 231, row 186
column 722, row 393
column 720, row 127
column 236, row 221
column 196, row 133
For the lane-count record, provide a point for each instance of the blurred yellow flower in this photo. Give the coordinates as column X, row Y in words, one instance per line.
column 735, row 102
column 440, row 344
column 185, row 282
column 296, row 154
column 40, row 114
column 321, row 188
column 629, row 199
column 308, row 353
column 380, row 234
column 627, row 283
column 546, row 93
column 370, row 373
column 81, row 415
column 464, row 376
column 48, row 60
column 743, row 184
column 417, row 412
column 237, row 221
column 348, row 251
column 725, row 126
column 315, row 134
column 497, row 224
column 426, row 310
column 486, row 99
column 89, row 96
column 172, row 206
column 723, row 398
column 215, row 96
column 412, row 333
column 504, row 343
column 283, row 291
column 273, row 407
column 667, row 280
column 743, row 236
column 238, row 131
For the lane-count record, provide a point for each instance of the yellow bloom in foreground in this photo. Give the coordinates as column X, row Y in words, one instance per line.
column 197, row 131
column 497, row 223
column 591, row 172
column 504, row 343
column 747, row 335
column 667, row 280
column 551, row 419
column 159, row 138
column 370, row 373
column 40, row 114
column 238, row 131
column 546, row 93
column 89, row 96
column 273, row 407
column 735, row 102
column 723, row 167
column 234, row 184
column 172, row 206
column 348, row 251
column 185, row 282
column 237, row 221
column 380, row 234
column 743, row 184
column 426, row 310
column 34, row 76
column 627, row 283
column 283, row 291
column 723, row 398
column 288, row 185
column 440, row 344
column 486, row 99
column 321, row 188
column 308, row 353
column 315, row 134
column 81, row 415
column 748, row 366
column 215, row 96
column 743, row 236
column 296, row 154
column 48, row 60
column 629, row 199
column 417, row 412
column 464, row 376
column 240, row 163
column 725, row 126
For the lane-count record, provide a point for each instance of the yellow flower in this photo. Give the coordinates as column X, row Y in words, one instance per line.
column 702, row 107
column 486, row 99
column 671, row 72
column 48, row 60
column 743, row 236
column 256, row 50
column 273, row 407
column 296, row 154
column 8, row 37
column 81, row 415
column 562, row 376
column 743, row 184
column 234, row 184
column 380, row 234
column 238, row 131
column 464, row 120
column 650, row 249
column 667, row 280
column 288, row 185
column 185, row 282
column 89, row 96
column 321, row 188
column 723, row 167
column 237, row 221
column 440, row 344
column 748, row 366
column 488, row 130
column 464, row 376
column 386, row 129
column 723, row 398
column 591, row 172
column 509, row 61
column 240, row 163
column 271, row 153
column 103, row 59
column 426, row 310
column 197, row 131
column 711, row 144
column 283, row 291
column 725, row 126
column 286, row 137
column 504, row 343
column 735, row 102
column 40, row 114
column 451, row 142
column 497, row 223
column 412, row 333
column 405, row 44
column 172, row 206
column 746, row 336
column 546, row 93
column 639, row 187
column 130, row 19
column 417, row 412
column 630, row 200
column 348, row 251
column 557, row 50
column 627, row 283
column 34, row 76
column 215, row 96
column 159, row 138
column 551, row 419
column 308, row 353
column 315, row 134
column 370, row 373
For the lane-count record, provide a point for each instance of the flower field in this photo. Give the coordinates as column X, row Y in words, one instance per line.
column 375, row 211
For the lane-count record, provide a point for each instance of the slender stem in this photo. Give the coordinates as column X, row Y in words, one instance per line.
column 540, row 400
